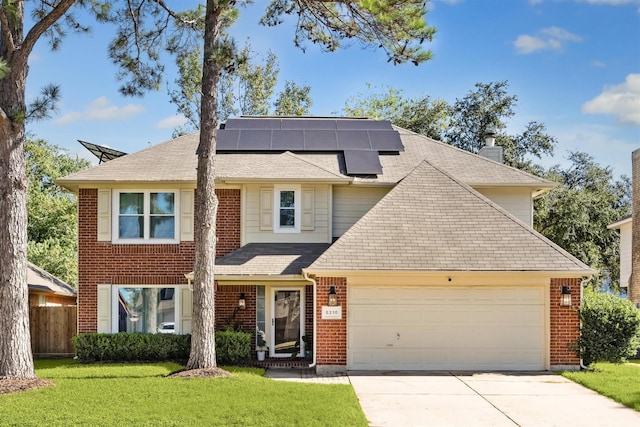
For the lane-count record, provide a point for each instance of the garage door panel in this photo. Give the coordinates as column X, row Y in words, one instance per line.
column 480, row 328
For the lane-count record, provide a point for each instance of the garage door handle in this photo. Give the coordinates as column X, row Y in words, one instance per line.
column 398, row 334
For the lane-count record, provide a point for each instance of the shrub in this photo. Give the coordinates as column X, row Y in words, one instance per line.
column 129, row 347
column 233, row 348
column 610, row 328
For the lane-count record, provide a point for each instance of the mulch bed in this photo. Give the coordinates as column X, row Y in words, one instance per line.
column 201, row 373
column 14, row 385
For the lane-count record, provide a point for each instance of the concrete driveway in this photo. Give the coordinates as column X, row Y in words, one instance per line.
column 484, row 399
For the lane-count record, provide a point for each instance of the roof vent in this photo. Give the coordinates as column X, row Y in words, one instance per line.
column 490, row 151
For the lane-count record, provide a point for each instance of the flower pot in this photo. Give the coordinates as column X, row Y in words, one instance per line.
column 261, row 355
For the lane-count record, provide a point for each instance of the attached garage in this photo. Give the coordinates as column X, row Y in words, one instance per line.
column 447, row 328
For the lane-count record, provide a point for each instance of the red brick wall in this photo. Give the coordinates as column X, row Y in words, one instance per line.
column 227, row 301
column 166, row 264
column 564, row 323
column 331, row 334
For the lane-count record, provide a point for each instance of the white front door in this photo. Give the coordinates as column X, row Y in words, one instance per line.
column 287, row 321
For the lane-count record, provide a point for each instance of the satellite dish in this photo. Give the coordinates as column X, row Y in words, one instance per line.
column 104, row 154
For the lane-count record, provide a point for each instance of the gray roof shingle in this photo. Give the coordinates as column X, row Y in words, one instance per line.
column 269, row 259
column 433, row 222
column 175, row 161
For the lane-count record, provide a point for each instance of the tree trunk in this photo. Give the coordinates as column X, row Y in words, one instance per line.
column 203, row 352
column 16, row 360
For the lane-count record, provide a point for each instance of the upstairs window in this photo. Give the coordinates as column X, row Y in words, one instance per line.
column 145, row 215
column 287, row 209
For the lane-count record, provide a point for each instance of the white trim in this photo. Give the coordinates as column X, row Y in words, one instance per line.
column 277, row 189
column 115, row 213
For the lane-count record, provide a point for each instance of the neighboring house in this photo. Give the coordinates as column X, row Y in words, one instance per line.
column 427, row 250
column 624, row 225
column 46, row 290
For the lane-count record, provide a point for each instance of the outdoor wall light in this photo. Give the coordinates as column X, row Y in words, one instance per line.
column 242, row 301
column 332, row 300
column 565, row 297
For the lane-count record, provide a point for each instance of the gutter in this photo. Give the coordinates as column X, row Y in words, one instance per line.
column 308, row 278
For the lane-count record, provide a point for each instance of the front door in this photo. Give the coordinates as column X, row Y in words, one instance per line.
column 287, row 321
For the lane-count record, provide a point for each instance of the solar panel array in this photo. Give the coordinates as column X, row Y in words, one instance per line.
column 361, row 141
column 104, row 154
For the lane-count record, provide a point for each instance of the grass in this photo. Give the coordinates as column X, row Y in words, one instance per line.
column 621, row 382
column 140, row 394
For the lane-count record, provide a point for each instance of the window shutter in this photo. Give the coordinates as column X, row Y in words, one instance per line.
column 308, row 213
column 186, row 309
column 186, row 215
column 104, row 215
column 104, row 309
column 266, row 209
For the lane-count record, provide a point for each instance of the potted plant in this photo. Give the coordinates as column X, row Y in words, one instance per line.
column 308, row 347
column 261, row 345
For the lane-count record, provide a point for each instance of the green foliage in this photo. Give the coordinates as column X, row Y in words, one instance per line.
column 421, row 115
column 53, row 220
column 233, row 348
column 610, row 328
column 488, row 108
column 575, row 215
column 131, row 347
column 396, row 26
column 293, row 100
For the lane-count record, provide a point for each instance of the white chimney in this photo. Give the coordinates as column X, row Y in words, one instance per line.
column 490, row 151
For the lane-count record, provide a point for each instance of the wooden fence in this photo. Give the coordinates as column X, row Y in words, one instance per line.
column 52, row 329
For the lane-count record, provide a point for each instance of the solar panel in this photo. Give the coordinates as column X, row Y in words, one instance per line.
column 361, row 140
column 104, row 154
column 362, row 162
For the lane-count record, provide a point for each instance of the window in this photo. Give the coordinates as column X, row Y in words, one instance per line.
column 287, row 209
column 145, row 215
column 145, row 309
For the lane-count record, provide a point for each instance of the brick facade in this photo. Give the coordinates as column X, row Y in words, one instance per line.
column 144, row 264
column 331, row 336
column 564, row 323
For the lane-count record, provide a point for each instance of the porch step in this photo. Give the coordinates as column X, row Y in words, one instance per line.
column 281, row 363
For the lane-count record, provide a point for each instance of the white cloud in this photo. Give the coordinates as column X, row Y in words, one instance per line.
column 171, row 122
column 101, row 109
column 535, row 2
column 621, row 101
column 552, row 38
column 598, row 64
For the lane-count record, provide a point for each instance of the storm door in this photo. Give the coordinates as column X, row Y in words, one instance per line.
column 287, row 321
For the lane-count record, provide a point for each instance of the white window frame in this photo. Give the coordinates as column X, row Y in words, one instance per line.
column 297, row 200
column 177, row 295
column 115, row 212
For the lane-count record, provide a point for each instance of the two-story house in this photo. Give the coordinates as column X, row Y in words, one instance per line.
column 390, row 249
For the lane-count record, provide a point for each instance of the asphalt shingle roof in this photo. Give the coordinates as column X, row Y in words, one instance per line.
column 176, row 161
column 269, row 258
column 433, row 222
column 39, row 279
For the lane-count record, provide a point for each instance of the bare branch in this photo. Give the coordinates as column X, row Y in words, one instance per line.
column 174, row 15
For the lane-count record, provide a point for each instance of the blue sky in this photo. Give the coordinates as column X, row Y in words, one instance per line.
column 574, row 65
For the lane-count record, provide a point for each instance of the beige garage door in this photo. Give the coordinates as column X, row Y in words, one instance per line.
column 446, row 328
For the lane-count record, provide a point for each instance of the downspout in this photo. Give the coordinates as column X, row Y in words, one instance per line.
column 308, row 278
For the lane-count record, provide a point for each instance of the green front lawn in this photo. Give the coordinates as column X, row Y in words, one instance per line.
column 139, row 394
column 619, row 382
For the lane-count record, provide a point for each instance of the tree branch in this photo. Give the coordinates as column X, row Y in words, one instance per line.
column 41, row 26
column 174, row 15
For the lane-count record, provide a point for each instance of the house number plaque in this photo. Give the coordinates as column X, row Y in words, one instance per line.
column 332, row 312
